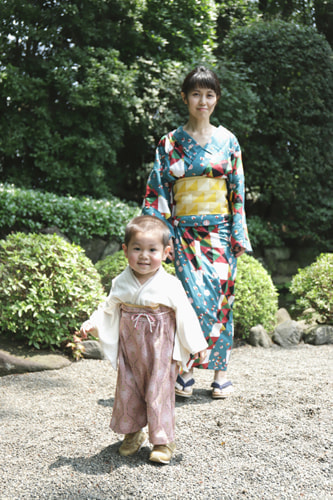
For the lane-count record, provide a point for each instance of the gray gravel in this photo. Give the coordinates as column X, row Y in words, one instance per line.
column 271, row 440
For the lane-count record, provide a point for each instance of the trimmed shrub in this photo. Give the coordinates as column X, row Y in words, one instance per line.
column 113, row 265
column 47, row 288
column 312, row 287
column 256, row 297
column 32, row 210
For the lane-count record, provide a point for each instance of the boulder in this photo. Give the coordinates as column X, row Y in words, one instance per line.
column 93, row 350
column 10, row 364
column 288, row 334
column 55, row 230
column 319, row 335
column 259, row 337
column 94, row 248
column 282, row 315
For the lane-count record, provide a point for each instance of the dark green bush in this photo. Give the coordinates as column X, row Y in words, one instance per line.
column 78, row 218
column 47, row 288
column 113, row 265
column 256, row 297
column 312, row 287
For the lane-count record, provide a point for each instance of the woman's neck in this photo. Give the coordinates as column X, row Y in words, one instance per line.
column 198, row 126
column 201, row 131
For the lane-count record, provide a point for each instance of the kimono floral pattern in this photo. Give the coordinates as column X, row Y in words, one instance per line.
column 204, row 244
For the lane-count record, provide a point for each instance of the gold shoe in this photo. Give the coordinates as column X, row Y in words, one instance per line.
column 162, row 453
column 132, row 443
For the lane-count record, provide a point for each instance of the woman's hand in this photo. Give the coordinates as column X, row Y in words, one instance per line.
column 238, row 251
column 201, row 355
column 171, row 254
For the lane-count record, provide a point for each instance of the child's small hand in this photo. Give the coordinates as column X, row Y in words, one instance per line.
column 87, row 327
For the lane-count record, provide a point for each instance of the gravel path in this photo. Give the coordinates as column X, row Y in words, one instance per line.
column 271, row 440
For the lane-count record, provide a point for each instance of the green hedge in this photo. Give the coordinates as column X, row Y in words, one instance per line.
column 47, row 288
column 313, row 289
column 256, row 299
column 31, row 210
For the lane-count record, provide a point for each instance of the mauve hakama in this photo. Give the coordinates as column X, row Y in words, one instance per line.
column 145, row 392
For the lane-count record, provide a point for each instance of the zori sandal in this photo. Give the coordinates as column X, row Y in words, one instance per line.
column 182, row 388
column 222, row 391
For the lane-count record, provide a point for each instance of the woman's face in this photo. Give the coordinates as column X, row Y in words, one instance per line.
column 201, row 102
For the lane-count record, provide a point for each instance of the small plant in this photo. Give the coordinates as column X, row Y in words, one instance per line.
column 256, row 299
column 313, row 288
column 76, row 347
column 114, row 264
column 48, row 287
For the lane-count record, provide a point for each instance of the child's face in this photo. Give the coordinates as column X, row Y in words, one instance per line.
column 145, row 252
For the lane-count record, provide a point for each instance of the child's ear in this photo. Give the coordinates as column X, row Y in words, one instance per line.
column 124, row 247
column 166, row 252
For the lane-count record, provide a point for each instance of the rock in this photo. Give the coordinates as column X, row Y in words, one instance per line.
column 282, row 315
column 94, row 248
column 259, row 337
column 319, row 335
column 288, row 334
column 111, row 248
column 93, row 350
column 10, row 364
column 55, row 230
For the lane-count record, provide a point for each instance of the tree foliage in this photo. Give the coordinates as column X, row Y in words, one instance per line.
column 87, row 87
column 288, row 154
column 73, row 82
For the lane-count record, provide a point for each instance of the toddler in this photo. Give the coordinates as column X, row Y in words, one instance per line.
column 148, row 327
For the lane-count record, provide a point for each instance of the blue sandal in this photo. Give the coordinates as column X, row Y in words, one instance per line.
column 222, row 391
column 181, row 385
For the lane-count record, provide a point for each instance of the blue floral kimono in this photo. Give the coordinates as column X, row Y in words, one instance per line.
column 199, row 192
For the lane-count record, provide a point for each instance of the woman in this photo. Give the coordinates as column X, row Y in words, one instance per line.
column 197, row 186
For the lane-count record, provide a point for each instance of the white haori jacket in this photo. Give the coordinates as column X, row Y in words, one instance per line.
column 161, row 289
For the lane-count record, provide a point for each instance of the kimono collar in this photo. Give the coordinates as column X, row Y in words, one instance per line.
column 191, row 147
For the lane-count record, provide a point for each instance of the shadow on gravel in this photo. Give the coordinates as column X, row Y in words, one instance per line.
column 108, row 460
column 198, row 397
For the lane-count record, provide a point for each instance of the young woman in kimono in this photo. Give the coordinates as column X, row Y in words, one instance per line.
column 197, row 187
column 148, row 325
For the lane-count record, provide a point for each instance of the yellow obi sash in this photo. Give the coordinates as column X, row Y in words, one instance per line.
column 200, row 196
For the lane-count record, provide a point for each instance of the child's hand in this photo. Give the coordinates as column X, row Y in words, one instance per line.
column 201, row 355
column 87, row 327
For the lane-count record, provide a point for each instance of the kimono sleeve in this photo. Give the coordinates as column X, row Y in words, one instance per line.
column 158, row 199
column 190, row 338
column 106, row 320
column 236, row 194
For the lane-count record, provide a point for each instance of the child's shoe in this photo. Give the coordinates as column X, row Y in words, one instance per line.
column 132, row 443
column 162, row 453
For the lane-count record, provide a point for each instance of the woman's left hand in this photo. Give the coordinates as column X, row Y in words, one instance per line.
column 171, row 253
column 201, row 355
column 238, row 251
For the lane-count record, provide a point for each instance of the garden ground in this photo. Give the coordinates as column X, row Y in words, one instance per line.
column 271, row 440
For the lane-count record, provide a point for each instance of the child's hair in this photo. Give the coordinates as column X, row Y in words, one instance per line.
column 144, row 223
column 201, row 77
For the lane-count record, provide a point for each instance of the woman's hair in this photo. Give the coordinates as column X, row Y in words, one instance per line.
column 144, row 223
column 203, row 78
